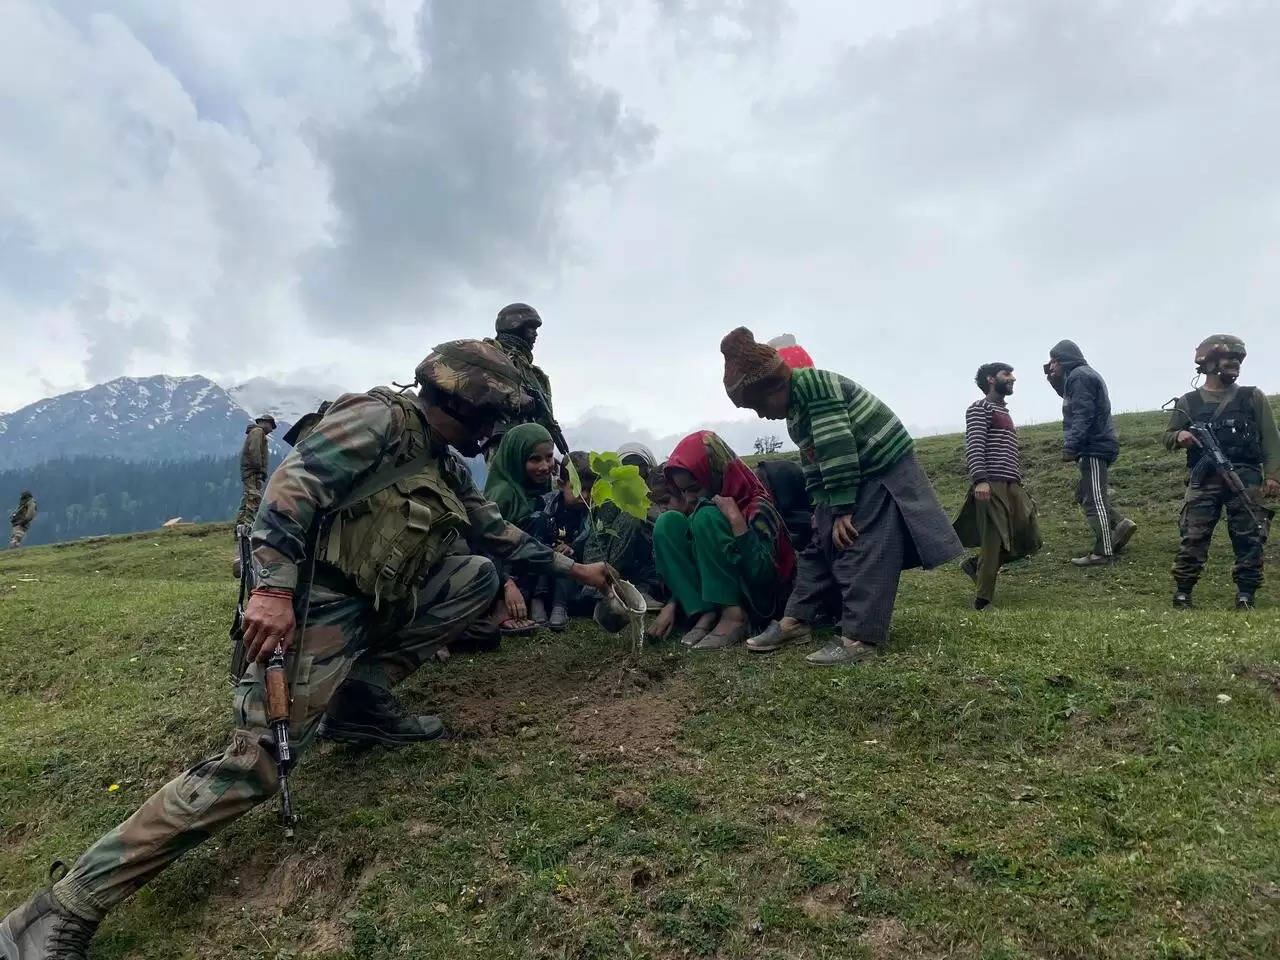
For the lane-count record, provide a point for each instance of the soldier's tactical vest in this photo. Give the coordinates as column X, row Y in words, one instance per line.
column 399, row 522
column 1235, row 427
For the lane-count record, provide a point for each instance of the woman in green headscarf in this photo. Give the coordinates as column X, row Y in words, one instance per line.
column 518, row 482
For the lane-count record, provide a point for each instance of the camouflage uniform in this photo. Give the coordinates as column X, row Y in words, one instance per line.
column 511, row 320
column 253, row 468
column 348, row 635
column 21, row 518
column 1246, row 430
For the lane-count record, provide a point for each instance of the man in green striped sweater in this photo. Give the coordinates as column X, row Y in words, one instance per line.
column 875, row 512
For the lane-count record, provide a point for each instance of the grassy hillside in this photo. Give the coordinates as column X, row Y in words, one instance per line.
column 1079, row 772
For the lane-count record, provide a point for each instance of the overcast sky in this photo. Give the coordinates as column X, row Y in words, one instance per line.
column 323, row 190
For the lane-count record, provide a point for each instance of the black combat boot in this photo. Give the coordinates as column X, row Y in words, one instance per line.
column 362, row 713
column 1244, row 600
column 1182, row 598
column 41, row 930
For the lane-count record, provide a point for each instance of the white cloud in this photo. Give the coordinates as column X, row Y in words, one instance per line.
column 256, row 187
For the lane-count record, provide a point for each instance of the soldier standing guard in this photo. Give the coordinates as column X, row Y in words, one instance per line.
column 373, row 501
column 253, row 466
column 1241, row 421
column 517, row 331
column 20, row 519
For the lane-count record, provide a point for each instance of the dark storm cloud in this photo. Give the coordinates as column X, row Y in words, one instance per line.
column 461, row 177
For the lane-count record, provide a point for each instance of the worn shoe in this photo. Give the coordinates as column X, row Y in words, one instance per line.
column 362, row 713
column 693, row 637
column 841, row 653
column 970, row 568
column 1122, row 534
column 538, row 611
column 1092, row 560
column 41, row 930
column 773, row 637
column 1182, row 599
column 980, row 603
column 1244, row 601
column 559, row 618
column 722, row 641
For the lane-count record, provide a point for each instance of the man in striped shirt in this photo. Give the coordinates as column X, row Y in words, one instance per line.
column 875, row 512
column 998, row 517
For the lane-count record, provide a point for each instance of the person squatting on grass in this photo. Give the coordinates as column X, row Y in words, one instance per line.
column 519, row 477
column 875, row 513
column 561, row 522
column 1089, row 438
column 998, row 516
column 1240, row 419
column 390, row 589
column 724, row 552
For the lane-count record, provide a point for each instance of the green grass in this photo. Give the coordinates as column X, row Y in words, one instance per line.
column 1056, row 777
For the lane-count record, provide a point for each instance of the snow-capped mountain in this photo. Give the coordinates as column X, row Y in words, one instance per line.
column 151, row 418
column 286, row 402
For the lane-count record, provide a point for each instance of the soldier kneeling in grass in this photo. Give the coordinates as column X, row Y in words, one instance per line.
column 389, row 589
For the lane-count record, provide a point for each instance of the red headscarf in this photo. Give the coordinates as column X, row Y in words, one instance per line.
column 722, row 473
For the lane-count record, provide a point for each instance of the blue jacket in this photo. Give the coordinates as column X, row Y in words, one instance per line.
column 1088, row 429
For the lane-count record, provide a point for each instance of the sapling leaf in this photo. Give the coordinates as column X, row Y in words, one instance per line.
column 603, row 464
column 630, row 492
column 575, row 482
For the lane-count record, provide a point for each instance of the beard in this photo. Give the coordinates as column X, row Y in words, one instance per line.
column 1004, row 389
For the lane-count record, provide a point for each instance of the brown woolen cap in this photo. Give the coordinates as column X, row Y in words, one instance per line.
column 749, row 367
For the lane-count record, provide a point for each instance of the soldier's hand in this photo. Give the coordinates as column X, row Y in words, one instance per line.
column 597, row 575
column 1271, row 489
column 268, row 622
column 1185, row 438
column 982, row 491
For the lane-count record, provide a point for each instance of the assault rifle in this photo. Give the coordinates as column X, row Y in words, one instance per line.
column 542, row 414
column 1214, row 460
column 277, row 703
column 244, row 561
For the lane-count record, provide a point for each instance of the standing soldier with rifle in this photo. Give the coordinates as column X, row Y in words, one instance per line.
column 517, row 331
column 1233, row 453
column 253, row 466
column 20, row 519
column 357, row 582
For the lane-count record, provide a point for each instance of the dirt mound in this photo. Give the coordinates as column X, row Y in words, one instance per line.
column 506, row 699
column 639, row 725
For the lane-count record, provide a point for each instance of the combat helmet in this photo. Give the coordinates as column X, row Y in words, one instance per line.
column 516, row 315
column 1218, row 346
column 473, row 375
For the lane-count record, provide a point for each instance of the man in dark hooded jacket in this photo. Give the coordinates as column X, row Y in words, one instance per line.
column 1089, row 438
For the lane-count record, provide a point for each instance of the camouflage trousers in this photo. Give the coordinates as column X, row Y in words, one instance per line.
column 343, row 638
column 254, row 484
column 1201, row 509
column 18, row 533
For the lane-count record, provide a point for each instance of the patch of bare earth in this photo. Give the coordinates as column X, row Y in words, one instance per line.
column 825, row 902
column 637, row 725
column 887, row 938
column 1268, row 677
